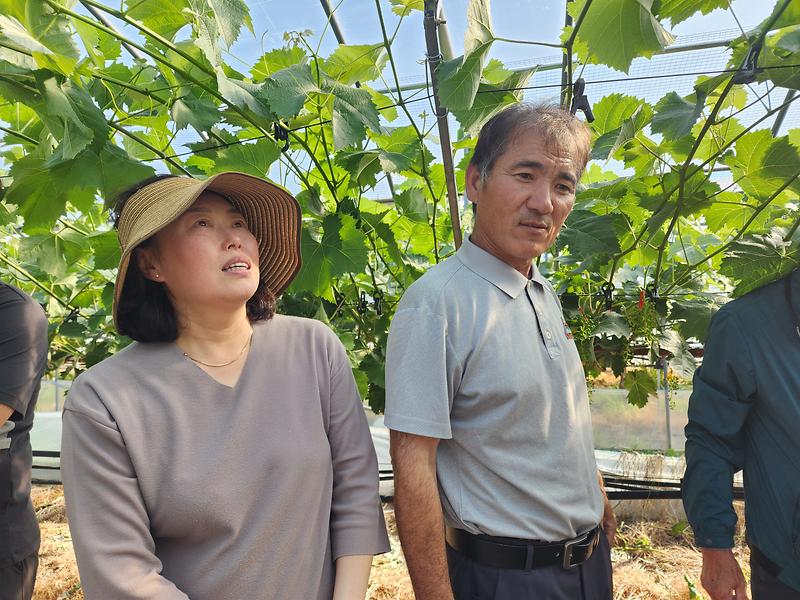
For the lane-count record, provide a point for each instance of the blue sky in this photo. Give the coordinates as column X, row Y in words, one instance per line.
column 539, row 20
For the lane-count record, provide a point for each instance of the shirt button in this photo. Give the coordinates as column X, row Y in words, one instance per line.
column 548, row 335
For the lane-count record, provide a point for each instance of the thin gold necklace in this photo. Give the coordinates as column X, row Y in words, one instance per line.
column 230, row 362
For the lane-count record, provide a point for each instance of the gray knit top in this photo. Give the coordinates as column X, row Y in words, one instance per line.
column 179, row 486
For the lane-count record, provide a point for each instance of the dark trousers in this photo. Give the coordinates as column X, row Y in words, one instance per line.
column 590, row 580
column 16, row 581
column 764, row 584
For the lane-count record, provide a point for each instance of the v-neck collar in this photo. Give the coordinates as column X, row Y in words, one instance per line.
column 250, row 351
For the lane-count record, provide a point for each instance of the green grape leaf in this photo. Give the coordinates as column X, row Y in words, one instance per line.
column 613, row 324
column 71, row 116
column 694, row 318
column 340, row 250
column 756, row 260
column 495, row 72
column 230, row 16
column 675, row 116
column 6, row 216
column 491, row 99
column 243, row 94
column 118, row 171
column 31, row 23
column 349, row 64
column 362, row 165
column 254, row 158
column 105, row 247
column 681, row 362
column 385, row 105
column 479, row 26
column 459, row 78
column 617, row 31
column 404, row 7
column 41, row 193
column 412, row 204
column 781, row 50
column 353, row 113
column 620, row 123
column 310, row 201
column 400, row 148
column 13, row 33
column 99, row 45
column 315, row 275
column 678, row 11
column 790, row 15
column 348, row 253
column 165, row 17
column 763, row 164
column 73, row 329
column 200, row 113
column 589, row 235
column 611, row 111
column 640, row 385
column 277, row 60
column 46, row 252
column 287, row 90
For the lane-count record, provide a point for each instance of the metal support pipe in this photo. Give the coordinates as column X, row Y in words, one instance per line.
column 337, row 31
column 565, row 75
column 445, row 43
column 665, row 371
column 776, row 127
column 434, row 58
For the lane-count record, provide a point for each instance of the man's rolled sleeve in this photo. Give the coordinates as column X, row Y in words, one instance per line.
column 419, row 386
column 723, row 391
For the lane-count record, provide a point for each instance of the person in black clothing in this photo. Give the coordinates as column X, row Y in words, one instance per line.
column 23, row 356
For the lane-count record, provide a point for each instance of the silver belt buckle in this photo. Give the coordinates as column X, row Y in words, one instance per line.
column 567, row 562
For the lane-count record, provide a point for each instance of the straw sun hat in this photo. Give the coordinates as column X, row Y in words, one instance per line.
column 272, row 215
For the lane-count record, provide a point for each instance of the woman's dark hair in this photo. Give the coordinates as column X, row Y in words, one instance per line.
column 144, row 311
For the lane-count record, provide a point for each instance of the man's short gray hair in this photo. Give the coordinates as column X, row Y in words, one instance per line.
column 561, row 131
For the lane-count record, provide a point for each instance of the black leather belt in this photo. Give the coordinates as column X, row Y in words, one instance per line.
column 510, row 553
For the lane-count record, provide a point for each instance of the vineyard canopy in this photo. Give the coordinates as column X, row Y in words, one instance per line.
column 691, row 196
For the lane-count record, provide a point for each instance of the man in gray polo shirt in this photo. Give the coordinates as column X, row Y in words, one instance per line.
column 496, row 486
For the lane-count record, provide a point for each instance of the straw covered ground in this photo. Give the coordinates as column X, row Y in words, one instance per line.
column 652, row 559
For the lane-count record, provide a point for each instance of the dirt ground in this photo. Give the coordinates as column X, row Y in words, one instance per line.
column 653, row 560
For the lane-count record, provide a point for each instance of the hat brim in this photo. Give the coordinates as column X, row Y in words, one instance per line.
column 272, row 215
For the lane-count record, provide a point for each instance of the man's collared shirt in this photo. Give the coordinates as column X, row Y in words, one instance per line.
column 479, row 356
column 744, row 414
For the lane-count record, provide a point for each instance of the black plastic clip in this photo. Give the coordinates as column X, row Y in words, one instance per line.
column 607, row 290
column 580, row 100
column 377, row 299
column 749, row 70
column 281, row 135
column 361, row 305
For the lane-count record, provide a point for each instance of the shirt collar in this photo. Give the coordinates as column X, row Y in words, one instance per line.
column 495, row 271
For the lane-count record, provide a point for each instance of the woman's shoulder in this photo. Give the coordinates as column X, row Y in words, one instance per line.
column 291, row 325
column 309, row 337
column 123, row 370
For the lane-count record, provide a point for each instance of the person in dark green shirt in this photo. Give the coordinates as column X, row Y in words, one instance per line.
column 744, row 414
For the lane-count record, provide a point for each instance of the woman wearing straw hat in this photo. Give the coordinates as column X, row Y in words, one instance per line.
column 225, row 454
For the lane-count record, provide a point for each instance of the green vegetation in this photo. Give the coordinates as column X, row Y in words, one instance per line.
column 86, row 110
